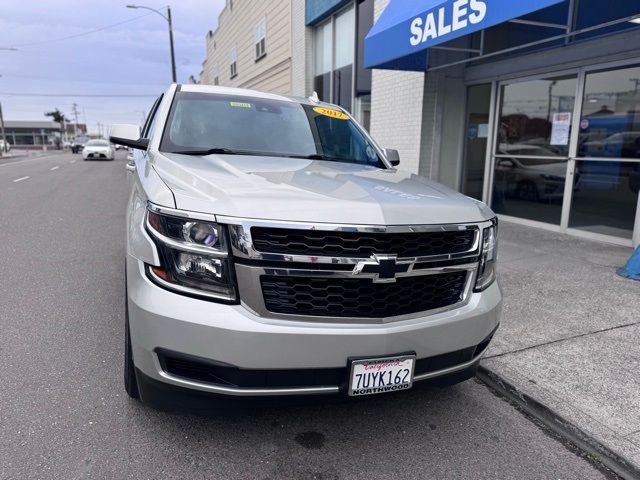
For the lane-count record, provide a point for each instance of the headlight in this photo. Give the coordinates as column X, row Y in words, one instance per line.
column 488, row 257
column 194, row 257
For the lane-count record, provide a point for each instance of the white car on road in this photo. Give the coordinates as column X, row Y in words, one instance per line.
column 98, row 150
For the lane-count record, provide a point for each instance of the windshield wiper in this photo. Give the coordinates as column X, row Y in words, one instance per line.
column 212, row 151
column 317, row 156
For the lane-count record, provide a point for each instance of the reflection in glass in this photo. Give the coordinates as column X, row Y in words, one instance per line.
column 529, row 188
column 605, row 198
column 535, row 118
column 323, row 48
column 478, row 103
column 344, row 56
column 610, row 120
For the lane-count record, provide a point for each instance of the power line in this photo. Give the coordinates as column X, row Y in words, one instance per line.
column 84, row 95
column 69, row 37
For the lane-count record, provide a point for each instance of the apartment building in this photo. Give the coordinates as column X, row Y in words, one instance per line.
column 251, row 48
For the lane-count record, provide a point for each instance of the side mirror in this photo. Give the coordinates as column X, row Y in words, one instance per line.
column 128, row 135
column 393, row 156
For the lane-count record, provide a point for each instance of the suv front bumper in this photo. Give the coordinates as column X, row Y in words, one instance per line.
column 232, row 336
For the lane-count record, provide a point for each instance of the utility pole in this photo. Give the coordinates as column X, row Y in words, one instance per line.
column 4, row 137
column 74, row 109
column 173, row 56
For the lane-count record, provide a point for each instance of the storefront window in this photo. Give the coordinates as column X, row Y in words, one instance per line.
column 610, row 119
column 338, row 49
column 344, row 55
column 535, row 118
column 362, row 106
column 605, row 197
column 478, row 103
column 323, row 52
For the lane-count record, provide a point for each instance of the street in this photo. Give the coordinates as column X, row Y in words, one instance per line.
column 64, row 413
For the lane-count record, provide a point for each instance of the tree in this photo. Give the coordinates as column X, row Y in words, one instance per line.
column 57, row 116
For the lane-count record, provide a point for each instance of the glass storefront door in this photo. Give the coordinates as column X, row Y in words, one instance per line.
column 608, row 169
column 566, row 152
column 532, row 148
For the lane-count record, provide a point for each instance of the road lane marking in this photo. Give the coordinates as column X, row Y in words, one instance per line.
column 20, row 179
column 25, row 160
column 55, row 168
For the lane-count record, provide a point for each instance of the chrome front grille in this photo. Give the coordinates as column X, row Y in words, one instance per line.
column 353, row 274
column 360, row 244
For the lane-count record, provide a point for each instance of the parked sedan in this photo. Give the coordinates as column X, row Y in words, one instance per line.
column 98, row 149
column 4, row 148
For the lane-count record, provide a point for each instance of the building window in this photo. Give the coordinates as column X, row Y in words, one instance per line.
column 261, row 35
column 345, row 25
column 334, row 66
column 323, row 60
column 233, row 63
column 336, row 56
column 215, row 74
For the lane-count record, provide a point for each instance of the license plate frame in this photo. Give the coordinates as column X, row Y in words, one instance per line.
column 405, row 361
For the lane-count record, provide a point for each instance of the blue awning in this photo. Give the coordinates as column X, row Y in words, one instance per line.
column 407, row 28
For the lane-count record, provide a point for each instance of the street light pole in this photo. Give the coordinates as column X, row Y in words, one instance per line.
column 4, row 148
column 167, row 17
column 173, row 56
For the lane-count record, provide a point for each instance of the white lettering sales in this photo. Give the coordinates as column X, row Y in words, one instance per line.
column 439, row 23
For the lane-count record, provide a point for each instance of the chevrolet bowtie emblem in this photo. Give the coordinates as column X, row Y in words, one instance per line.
column 381, row 268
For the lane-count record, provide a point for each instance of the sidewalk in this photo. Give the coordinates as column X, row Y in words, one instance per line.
column 570, row 333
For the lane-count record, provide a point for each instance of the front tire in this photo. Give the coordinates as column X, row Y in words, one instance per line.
column 130, row 380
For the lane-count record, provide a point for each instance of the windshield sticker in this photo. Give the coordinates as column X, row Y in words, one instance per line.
column 240, row 104
column 329, row 112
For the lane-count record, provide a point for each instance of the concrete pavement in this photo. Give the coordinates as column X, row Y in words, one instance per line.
column 570, row 334
column 64, row 413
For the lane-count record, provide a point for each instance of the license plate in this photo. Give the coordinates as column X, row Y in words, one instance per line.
column 381, row 375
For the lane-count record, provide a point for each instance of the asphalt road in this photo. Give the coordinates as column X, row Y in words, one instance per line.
column 65, row 415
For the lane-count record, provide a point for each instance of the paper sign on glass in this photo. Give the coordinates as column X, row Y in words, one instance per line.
column 560, row 128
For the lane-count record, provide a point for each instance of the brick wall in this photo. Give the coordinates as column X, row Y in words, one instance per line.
column 396, row 110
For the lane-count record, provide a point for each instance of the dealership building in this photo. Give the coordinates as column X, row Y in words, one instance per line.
column 532, row 106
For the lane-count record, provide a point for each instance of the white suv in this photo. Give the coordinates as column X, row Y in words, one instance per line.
column 274, row 249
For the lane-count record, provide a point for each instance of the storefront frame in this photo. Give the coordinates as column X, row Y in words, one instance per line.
column 491, row 157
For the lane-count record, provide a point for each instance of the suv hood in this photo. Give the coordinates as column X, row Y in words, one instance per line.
column 290, row 189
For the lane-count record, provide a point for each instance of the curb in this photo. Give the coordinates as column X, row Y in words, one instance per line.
column 559, row 425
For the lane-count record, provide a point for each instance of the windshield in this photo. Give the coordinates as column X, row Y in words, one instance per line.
column 257, row 126
column 97, row 143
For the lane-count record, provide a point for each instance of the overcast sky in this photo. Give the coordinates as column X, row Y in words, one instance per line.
column 129, row 59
